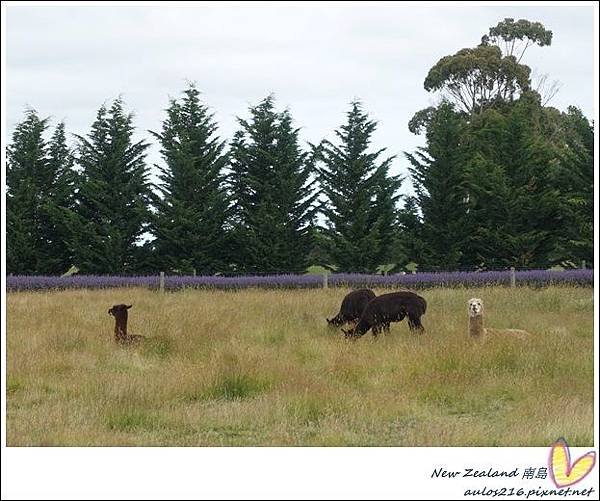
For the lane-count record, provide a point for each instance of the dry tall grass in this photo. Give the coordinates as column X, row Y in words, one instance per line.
column 262, row 367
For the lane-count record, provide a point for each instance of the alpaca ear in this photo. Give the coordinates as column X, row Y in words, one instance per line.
column 128, row 306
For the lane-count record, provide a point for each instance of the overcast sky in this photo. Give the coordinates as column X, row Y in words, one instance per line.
column 66, row 61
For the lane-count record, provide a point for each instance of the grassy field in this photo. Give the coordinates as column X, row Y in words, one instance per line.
column 260, row 367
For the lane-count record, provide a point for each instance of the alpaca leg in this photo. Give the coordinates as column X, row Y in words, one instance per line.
column 414, row 323
column 399, row 318
column 375, row 330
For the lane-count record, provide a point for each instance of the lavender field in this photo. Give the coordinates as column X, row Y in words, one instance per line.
column 531, row 278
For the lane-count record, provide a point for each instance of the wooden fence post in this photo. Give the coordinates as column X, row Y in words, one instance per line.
column 513, row 277
column 325, row 280
column 583, row 264
column 161, row 283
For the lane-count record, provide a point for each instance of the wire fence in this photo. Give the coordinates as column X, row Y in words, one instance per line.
column 421, row 280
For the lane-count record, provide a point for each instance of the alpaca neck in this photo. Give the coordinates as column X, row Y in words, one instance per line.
column 120, row 327
column 476, row 326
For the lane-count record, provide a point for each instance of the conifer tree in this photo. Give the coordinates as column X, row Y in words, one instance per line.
column 40, row 185
column 190, row 219
column 360, row 207
column 514, row 203
column 273, row 195
column 113, row 197
column 438, row 176
column 25, row 180
column 575, row 178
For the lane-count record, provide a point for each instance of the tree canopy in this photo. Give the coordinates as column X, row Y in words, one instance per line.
column 517, row 36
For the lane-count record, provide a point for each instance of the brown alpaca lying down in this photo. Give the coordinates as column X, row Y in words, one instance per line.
column 477, row 329
column 119, row 311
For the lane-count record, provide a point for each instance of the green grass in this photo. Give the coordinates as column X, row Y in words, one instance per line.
column 259, row 367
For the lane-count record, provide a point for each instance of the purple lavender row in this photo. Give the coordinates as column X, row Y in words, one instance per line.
column 467, row 278
column 37, row 282
column 418, row 280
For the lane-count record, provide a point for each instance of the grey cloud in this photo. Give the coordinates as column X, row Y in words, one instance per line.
column 66, row 61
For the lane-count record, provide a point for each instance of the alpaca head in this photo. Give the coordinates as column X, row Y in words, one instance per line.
column 475, row 307
column 119, row 310
column 333, row 322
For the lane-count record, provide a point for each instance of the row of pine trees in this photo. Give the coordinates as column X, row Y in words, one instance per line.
column 248, row 207
column 503, row 180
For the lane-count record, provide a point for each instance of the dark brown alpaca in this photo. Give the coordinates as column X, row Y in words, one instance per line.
column 352, row 307
column 392, row 307
column 119, row 311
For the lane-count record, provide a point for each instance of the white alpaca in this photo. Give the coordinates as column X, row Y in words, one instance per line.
column 477, row 329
